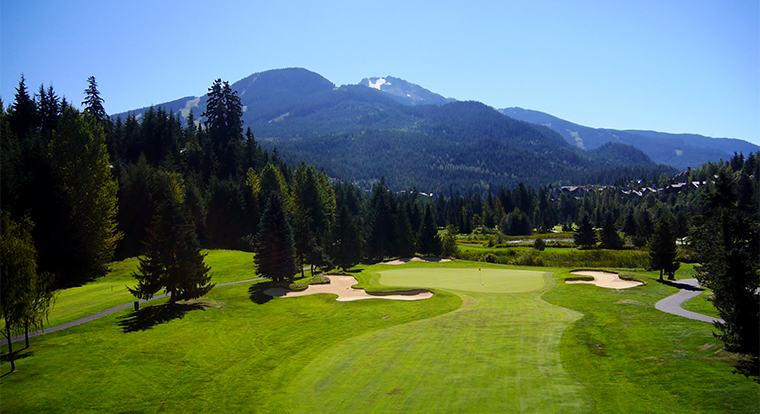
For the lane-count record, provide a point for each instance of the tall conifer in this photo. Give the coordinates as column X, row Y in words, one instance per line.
column 275, row 249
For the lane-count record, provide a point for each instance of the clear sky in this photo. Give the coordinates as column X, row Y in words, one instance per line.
column 672, row 66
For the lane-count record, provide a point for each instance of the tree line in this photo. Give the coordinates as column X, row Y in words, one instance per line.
column 81, row 188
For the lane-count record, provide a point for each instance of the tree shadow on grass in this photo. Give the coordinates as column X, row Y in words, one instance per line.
column 22, row 354
column 256, row 292
column 683, row 286
column 151, row 316
column 749, row 367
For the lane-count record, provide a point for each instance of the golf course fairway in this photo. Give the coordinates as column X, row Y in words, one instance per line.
column 499, row 352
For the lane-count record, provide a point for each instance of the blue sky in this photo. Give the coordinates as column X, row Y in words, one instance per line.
column 671, row 66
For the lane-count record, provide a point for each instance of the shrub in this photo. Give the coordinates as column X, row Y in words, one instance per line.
column 490, row 258
column 529, row 258
column 539, row 244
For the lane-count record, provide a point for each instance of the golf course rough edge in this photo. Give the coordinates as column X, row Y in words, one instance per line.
column 499, row 352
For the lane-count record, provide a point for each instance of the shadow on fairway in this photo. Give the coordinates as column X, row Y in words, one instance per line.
column 24, row 353
column 683, row 286
column 749, row 367
column 151, row 316
column 257, row 295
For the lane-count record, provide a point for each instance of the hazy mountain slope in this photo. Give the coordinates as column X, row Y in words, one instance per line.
column 678, row 150
column 727, row 145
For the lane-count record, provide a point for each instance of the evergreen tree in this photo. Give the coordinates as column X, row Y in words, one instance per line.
column 629, row 224
column 429, row 240
column 381, row 234
column 726, row 242
column 662, row 248
column 172, row 258
column 404, row 244
column 610, row 239
column 275, row 249
column 86, row 194
column 345, row 246
column 585, row 236
column 48, row 109
column 93, row 102
column 310, row 215
column 224, row 112
column 22, row 115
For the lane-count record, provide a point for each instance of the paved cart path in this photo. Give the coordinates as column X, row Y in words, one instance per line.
column 672, row 304
column 101, row 314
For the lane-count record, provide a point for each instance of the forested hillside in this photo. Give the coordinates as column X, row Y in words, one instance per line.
column 361, row 134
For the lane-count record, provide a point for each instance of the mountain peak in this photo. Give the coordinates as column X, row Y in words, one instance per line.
column 405, row 92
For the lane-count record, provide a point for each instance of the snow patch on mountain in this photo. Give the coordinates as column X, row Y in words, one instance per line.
column 378, row 83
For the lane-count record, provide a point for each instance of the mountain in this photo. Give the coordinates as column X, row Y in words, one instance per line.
column 678, row 150
column 360, row 134
column 405, row 92
column 621, row 153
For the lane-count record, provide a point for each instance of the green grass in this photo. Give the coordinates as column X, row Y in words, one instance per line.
column 701, row 304
column 498, row 353
column 228, row 354
column 111, row 290
column 634, row 358
column 525, row 342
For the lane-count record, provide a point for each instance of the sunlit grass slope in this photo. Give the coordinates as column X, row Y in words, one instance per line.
column 633, row 358
column 111, row 290
column 498, row 353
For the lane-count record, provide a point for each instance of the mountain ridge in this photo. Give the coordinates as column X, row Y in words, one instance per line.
column 663, row 148
column 352, row 130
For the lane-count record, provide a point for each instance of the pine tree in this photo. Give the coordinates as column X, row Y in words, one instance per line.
column 585, row 236
column 345, row 245
column 404, row 244
column 93, row 102
column 629, row 224
column 224, row 112
column 172, row 259
column 726, row 242
column 275, row 249
column 429, row 241
column 610, row 239
column 662, row 248
column 22, row 115
column 381, row 222
column 86, row 193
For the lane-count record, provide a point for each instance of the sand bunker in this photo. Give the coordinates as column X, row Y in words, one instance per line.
column 604, row 279
column 416, row 259
column 341, row 286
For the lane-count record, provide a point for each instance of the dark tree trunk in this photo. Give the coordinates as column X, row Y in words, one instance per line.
column 26, row 334
column 10, row 348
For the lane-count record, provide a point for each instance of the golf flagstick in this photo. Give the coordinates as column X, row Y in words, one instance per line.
column 481, row 277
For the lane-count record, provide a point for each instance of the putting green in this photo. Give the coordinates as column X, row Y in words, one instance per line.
column 466, row 279
column 498, row 353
